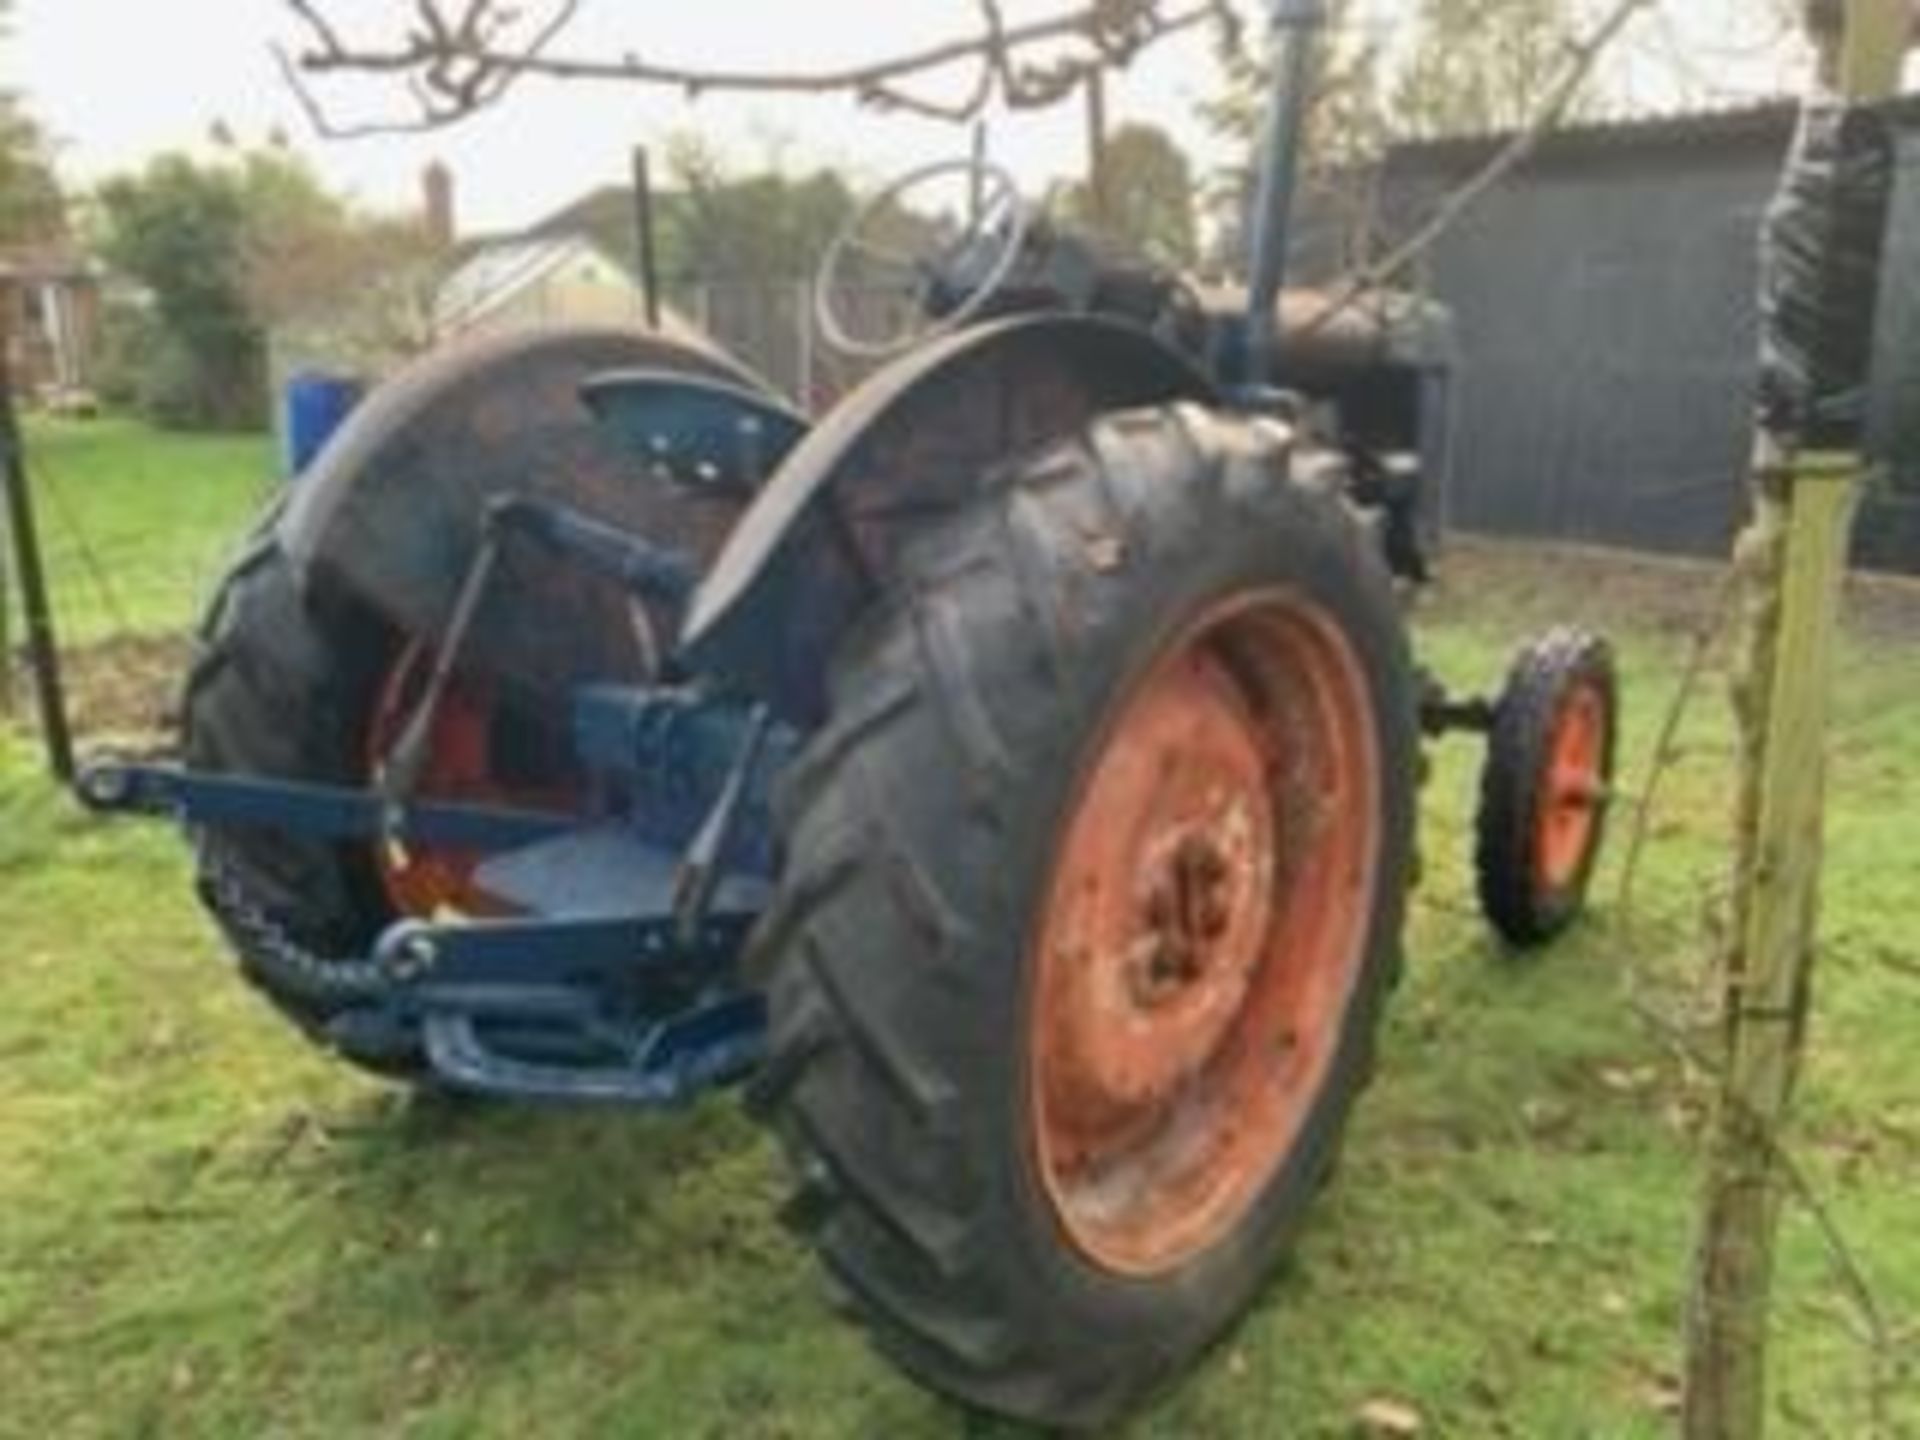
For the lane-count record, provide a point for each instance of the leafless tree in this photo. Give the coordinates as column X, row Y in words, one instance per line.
column 455, row 57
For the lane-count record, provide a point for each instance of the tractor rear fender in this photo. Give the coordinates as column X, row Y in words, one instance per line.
column 902, row 452
column 390, row 513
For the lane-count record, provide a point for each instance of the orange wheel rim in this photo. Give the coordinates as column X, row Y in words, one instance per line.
column 1203, row 933
column 463, row 767
column 1573, row 789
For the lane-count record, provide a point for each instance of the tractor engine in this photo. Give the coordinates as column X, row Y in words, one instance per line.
column 1366, row 374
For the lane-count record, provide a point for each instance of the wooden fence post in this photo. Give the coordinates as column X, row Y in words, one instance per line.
column 1792, row 564
column 8, row 700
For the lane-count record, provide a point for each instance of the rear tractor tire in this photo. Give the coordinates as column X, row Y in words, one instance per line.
column 301, row 676
column 1546, row 786
column 281, row 687
column 1094, row 888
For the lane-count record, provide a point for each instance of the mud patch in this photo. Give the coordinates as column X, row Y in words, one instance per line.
column 122, row 694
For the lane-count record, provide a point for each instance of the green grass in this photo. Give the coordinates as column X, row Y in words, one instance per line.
column 206, row 1228
column 135, row 523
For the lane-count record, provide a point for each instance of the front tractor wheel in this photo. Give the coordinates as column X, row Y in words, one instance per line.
column 1094, row 889
column 1547, row 785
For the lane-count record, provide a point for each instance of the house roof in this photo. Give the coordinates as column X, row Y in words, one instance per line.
column 43, row 263
column 606, row 216
column 494, row 272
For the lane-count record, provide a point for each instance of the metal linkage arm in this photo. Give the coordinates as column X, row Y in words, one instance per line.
column 651, row 571
column 320, row 812
column 704, row 864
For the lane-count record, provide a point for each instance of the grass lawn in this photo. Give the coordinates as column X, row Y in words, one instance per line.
column 206, row 1228
column 135, row 523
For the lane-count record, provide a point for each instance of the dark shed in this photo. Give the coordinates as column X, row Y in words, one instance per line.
column 1604, row 299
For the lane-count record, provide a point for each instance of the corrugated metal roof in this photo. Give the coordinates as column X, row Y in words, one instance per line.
column 1764, row 123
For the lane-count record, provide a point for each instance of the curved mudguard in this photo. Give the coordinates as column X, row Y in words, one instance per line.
column 704, row 432
column 391, row 511
column 897, row 455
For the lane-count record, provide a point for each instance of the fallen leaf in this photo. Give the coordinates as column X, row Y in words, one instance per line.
column 1544, row 1117
column 1629, row 1080
column 1663, row 1394
column 1383, row 1419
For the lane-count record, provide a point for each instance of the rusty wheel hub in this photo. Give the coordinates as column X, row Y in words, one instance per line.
column 1573, row 790
column 1187, row 915
column 1205, row 924
column 1161, row 937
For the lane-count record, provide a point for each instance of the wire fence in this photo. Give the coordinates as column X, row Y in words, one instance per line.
column 135, row 526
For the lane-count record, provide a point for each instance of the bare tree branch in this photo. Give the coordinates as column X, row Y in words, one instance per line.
column 1581, row 62
column 460, row 56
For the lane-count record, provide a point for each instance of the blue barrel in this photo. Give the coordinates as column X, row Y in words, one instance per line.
column 314, row 406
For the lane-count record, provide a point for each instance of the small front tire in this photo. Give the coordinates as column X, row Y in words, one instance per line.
column 1547, row 786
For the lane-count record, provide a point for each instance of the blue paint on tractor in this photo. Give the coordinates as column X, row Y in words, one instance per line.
column 618, row 983
column 704, row 432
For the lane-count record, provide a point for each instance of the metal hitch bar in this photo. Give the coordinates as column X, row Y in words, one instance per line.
column 439, row 962
column 320, row 811
column 572, row 994
column 563, row 1011
column 669, row 1064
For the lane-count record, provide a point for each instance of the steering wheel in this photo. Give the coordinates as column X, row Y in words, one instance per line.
column 944, row 278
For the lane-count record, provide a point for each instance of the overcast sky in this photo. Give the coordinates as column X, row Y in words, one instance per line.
column 117, row 81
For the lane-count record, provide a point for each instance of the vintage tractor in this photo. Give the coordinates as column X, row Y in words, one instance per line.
column 1011, row 772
